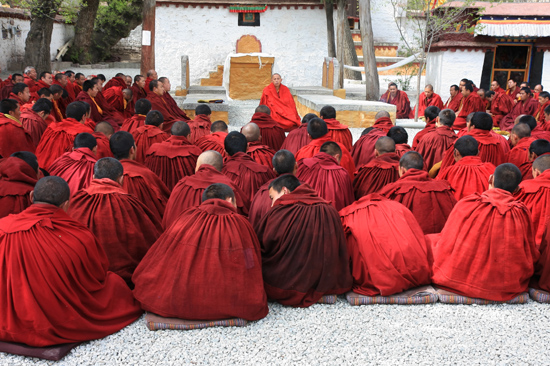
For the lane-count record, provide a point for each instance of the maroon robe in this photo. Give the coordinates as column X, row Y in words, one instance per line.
column 540, row 133
column 454, row 102
column 173, row 107
column 214, row 141
column 424, row 103
column 519, row 153
column 501, row 105
column 314, row 147
column 296, row 139
column 110, row 114
column 33, row 124
column 260, row 153
column 490, row 148
column 529, row 107
column 402, row 149
column 430, row 126
column 363, row 150
column 117, row 81
column 339, row 133
column 400, row 101
column 144, row 137
column 133, row 123
column 200, row 126
column 76, row 167
column 472, row 103
column 95, row 115
column 103, row 147
column 246, row 173
column 159, row 104
column 261, row 204
column 17, row 180
column 272, row 134
column 384, row 124
column 282, row 106
column 13, row 137
column 535, row 194
column 138, row 92
column 467, row 176
column 434, row 144
column 377, row 173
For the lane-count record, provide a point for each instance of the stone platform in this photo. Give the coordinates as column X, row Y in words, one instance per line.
column 220, row 111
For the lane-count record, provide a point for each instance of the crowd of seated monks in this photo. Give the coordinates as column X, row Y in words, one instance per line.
column 104, row 215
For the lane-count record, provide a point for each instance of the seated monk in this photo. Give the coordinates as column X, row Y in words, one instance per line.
column 59, row 137
column 120, row 99
column 110, row 114
column 471, row 102
column 56, row 288
column 148, row 134
column 501, row 105
column 20, row 93
column 79, row 80
column 188, row 192
column 13, row 136
column 123, row 225
column 143, row 106
column 260, row 153
column 427, row 98
column 525, row 105
column 175, row 157
column 469, row 174
column 283, row 163
column 138, row 88
column 323, row 173
column 472, row 257
column 30, row 75
column 495, row 86
column 102, row 133
column 400, row 136
column 520, row 139
column 272, row 134
column 158, row 103
column 544, row 101
column 139, row 180
column 339, row 133
column 380, row 171
column 34, row 119
column 170, row 102
column 280, row 102
column 77, row 167
column 455, row 99
column 119, row 80
column 318, row 132
column 18, row 175
column 431, row 201
column 201, row 124
column 7, row 86
column 215, row 141
column 430, row 114
column 57, row 94
column 537, row 148
column 386, row 245
column 537, row 132
column 363, row 149
column 399, row 99
column 302, row 226
column 88, row 122
column 298, row 137
column 434, row 143
column 88, row 94
column 241, row 168
column 219, row 272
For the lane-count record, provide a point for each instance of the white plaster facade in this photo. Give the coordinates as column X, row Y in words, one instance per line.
column 545, row 81
column 297, row 38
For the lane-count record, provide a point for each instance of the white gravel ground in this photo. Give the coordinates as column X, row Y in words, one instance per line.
column 338, row 334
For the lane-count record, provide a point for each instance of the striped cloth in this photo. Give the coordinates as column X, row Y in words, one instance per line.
column 327, row 299
column 539, row 295
column 423, row 295
column 448, row 298
column 155, row 322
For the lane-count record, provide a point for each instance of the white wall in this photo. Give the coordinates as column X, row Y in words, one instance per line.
column 296, row 37
column 130, row 45
column 546, row 71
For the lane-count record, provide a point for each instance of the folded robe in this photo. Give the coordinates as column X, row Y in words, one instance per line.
column 490, row 148
column 117, row 81
column 123, row 225
column 95, row 115
column 17, row 180
column 172, row 159
column 434, row 144
column 400, row 101
column 472, row 256
column 173, row 107
column 363, row 150
column 528, row 106
column 282, row 106
column 76, row 167
column 159, row 104
column 206, row 266
column 314, row 147
column 260, row 205
column 501, row 105
column 430, row 126
column 535, row 194
column 519, row 153
column 272, row 134
column 200, row 126
column 402, row 149
column 214, row 141
column 386, row 245
column 471, row 103
column 55, row 284
column 304, row 253
column 144, row 137
column 133, row 123
column 138, row 92
column 14, row 137
column 377, row 173
column 34, row 125
column 469, row 175
column 260, row 153
column 296, row 139
column 339, row 133
column 103, row 147
column 246, row 173
column 424, row 103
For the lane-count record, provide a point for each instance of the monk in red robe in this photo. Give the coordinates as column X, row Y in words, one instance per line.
column 520, row 139
column 386, row 245
column 537, row 148
column 215, row 141
column 148, row 134
column 430, row 115
column 434, row 144
column 220, row 270
column 34, row 119
column 272, row 134
column 495, row 87
column 30, row 76
column 142, row 107
column 380, row 171
column 88, row 94
column 363, row 149
column 471, row 102
column 241, row 168
column 125, row 237
column 7, row 86
column 139, row 180
column 175, row 157
column 58, row 109
column 20, row 93
column 120, row 99
column 427, row 98
column 472, row 256
column 200, row 125
column 102, row 133
column 431, row 201
column 188, row 192
column 319, row 134
column 526, row 105
column 306, row 228
column 138, row 88
column 298, row 137
column 400, row 136
column 155, row 96
column 455, row 99
column 260, row 153
column 118, row 80
column 544, row 102
column 500, row 105
column 79, row 80
column 59, row 137
column 280, row 102
column 18, row 175
column 338, row 132
column 399, row 99
column 170, row 102
column 77, row 167
column 469, row 174
column 13, row 136
column 283, row 163
column 513, row 89
column 45, row 80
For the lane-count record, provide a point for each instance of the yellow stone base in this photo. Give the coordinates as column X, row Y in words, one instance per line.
column 340, row 93
column 215, row 116
column 215, row 78
column 247, row 79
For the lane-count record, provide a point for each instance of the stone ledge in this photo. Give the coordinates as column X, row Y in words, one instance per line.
column 320, row 90
column 203, row 90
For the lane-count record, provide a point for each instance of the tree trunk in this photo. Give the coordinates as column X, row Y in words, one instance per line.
column 148, row 52
column 81, row 48
column 329, row 12
column 37, row 44
column 341, row 23
column 350, row 55
column 369, row 58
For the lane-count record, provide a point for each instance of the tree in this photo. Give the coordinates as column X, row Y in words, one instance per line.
column 329, row 12
column 369, row 58
column 80, row 50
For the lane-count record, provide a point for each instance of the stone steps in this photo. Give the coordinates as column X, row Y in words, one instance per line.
column 215, row 78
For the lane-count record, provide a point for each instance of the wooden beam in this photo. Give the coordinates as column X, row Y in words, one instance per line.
column 148, row 37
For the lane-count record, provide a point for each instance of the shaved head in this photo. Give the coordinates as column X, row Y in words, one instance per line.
column 180, row 128
column 381, row 114
column 411, row 160
column 507, row 176
column 52, row 190
column 210, row 157
column 284, row 162
column 105, row 128
column 331, row 148
column 384, row 145
column 262, row 109
column 218, row 126
column 251, row 131
column 542, row 163
column 522, row 130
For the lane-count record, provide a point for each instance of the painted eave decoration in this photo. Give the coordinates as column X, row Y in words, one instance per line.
column 238, row 8
column 513, row 26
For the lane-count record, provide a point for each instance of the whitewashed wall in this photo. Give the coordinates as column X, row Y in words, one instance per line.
column 546, row 71
column 296, row 37
column 130, row 45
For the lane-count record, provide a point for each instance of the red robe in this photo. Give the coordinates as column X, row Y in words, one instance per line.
column 272, row 135
column 76, row 167
column 57, row 140
column 501, row 105
column 261, row 204
column 377, row 173
column 77, row 89
column 339, row 133
column 159, row 104
column 454, row 102
column 304, row 254
column 472, row 256
column 55, row 284
column 103, row 147
column 331, row 182
column 146, row 186
column 214, row 141
column 434, row 144
column 314, row 147
column 282, row 106
column 469, row 175
column 424, row 103
column 539, row 115
column 133, row 123
column 384, row 124
column 219, row 272
column 123, row 225
column 296, row 139
column 115, row 98
column 431, row 201
column 363, row 150
column 529, row 107
column 17, row 180
column 386, row 245
column 110, row 114
column 472, row 103
column 95, row 115
column 34, row 125
column 172, row 159
column 520, row 153
column 513, row 93
column 401, row 103
column 200, row 126
column 138, row 92
column 490, row 148
column 535, row 194
column 13, row 137
column 246, row 173
column 430, row 126
column 540, row 133
column 31, row 83
column 173, row 107
column 260, row 153
column 6, row 90
column 145, row 137
column 117, row 81
column 402, row 149
column 188, row 193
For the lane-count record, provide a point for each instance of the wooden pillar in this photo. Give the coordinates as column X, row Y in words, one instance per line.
column 148, row 37
column 341, row 43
